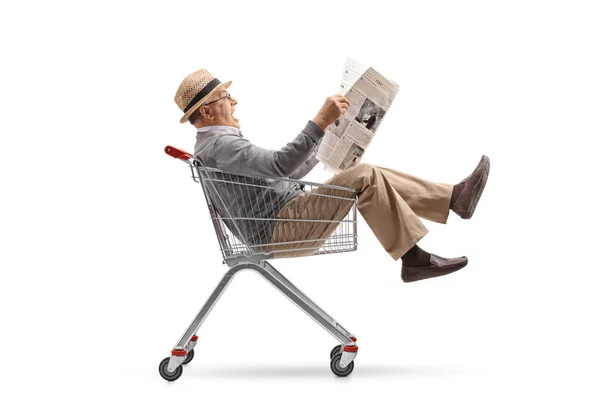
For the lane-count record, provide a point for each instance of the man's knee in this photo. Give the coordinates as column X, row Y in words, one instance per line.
column 363, row 169
column 357, row 177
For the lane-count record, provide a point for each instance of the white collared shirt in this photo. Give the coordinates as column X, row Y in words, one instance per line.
column 230, row 129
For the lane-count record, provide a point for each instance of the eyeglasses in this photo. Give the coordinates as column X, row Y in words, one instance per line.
column 227, row 96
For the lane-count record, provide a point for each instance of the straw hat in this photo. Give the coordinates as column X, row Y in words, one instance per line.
column 195, row 89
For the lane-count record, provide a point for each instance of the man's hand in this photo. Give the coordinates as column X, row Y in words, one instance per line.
column 334, row 107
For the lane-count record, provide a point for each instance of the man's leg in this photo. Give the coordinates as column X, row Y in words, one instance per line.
column 395, row 223
column 305, row 223
column 429, row 200
column 392, row 220
column 433, row 201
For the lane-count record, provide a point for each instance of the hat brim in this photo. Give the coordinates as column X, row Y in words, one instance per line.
column 186, row 116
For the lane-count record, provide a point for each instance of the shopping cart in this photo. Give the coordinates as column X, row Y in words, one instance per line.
column 249, row 236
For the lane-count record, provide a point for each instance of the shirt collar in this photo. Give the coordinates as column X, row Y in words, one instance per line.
column 229, row 129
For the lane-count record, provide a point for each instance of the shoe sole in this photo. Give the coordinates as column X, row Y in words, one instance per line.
column 482, row 182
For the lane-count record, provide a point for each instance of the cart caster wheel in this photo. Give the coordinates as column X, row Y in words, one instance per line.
column 164, row 372
column 339, row 371
column 336, row 350
column 190, row 357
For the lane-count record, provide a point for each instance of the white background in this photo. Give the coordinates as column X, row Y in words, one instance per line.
column 106, row 248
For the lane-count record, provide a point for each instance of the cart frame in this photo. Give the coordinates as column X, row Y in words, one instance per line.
column 239, row 254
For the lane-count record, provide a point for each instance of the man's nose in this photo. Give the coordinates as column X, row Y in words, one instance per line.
column 233, row 101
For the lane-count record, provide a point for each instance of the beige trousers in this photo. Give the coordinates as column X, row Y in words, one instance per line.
column 390, row 201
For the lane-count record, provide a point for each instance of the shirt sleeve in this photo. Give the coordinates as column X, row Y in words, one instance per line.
column 308, row 165
column 238, row 155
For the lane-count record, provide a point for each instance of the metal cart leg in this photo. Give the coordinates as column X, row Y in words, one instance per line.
column 170, row 367
column 188, row 340
column 208, row 306
column 306, row 300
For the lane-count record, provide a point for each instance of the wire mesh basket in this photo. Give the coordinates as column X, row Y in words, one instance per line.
column 262, row 217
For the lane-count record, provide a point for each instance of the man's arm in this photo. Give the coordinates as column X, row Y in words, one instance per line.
column 239, row 156
column 308, row 165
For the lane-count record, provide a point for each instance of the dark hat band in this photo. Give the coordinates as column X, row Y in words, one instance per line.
column 201, row 94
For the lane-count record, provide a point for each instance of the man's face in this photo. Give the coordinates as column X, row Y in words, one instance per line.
column 221, row 109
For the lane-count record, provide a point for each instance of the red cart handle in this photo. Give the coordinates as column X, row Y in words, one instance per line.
column 176, row 153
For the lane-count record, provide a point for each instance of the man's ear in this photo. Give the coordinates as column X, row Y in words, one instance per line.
column 205, row 112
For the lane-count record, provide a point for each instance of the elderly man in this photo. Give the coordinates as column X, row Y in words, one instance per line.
column 390, row 201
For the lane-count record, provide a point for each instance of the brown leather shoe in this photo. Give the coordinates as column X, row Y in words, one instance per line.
column 474, row 184
column 438, row 266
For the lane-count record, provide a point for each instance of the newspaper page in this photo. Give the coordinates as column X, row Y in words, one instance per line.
column 370, row 95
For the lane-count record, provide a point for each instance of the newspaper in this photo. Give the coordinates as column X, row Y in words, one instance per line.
column 370, row 95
